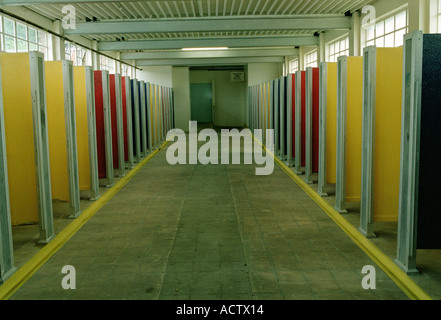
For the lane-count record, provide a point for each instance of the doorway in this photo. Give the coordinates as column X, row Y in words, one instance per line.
column 201, row 102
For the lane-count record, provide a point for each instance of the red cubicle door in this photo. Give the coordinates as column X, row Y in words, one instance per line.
column 112, row 89
column 99, row 114
column 303, row 108
column 124, row 110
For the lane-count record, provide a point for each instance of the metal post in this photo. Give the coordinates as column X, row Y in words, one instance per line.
column 298, row 124
column 91, row 126
column 368, row 142
column 108, row 130
column 136, row 116
column 282, row 119
column 143, row 121
column 41, row 147
column 149, row 116
column 7, row 266
column 289, row 123
column 342, row 83
column 410, row 149
column 276, row 117
column 120, row 126
column 71, row 139
column 308, row 126
column 128, row 97
column 322, row 176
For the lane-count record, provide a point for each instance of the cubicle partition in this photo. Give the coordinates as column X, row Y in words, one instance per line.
column 104, row 128
column 328, row 128
column 349, row 131
column 86, row 132
column 27, row 145
column 419, row 201
column 126, row 92
column 312, row 131
column 382, row 92
column 61, row 121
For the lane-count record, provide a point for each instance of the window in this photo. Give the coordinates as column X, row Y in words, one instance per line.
column 16, row 36
column 338, row 48
column 77, row 54
column 294, row 66
column 388, row 32
column 107, row 64
column 126, row 70
column 311, row 59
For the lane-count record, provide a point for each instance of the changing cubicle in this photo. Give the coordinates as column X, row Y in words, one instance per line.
column 61, row 122
column 312, row 92
column 328, row 128
column 300, row 104
column 103, row 128
column 126, row 92
column 419, row 201
column 7, row 266
column 381, row 138
column 27, row 145
column 349, row 131
column 116, row 110
column 86, row 132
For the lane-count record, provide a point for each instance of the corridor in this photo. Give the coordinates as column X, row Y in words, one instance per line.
column 207, row 233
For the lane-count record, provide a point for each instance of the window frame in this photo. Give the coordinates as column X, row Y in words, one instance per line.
column 380, row 38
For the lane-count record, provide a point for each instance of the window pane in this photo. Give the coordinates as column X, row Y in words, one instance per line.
column 370, row 43
column 41, row 38
column 32, row 46
column 9, row 26
column 389, row 40
column 9, row 44
column 380, row 42
column 370, row 33
column 21, row 31
column 389, row 25
column 401, row 20
column 399, row 37
column 22, row 45
column 379, row 29
column 32, row 35
column 43, row 49
column 342, row 45
column 331, row 49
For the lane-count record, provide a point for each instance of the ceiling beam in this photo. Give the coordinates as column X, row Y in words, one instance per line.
column 211, row 25
column 246, row 53
column 208, row 62
column 208, row 42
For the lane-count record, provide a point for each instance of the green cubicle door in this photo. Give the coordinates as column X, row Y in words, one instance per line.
column 201, row 102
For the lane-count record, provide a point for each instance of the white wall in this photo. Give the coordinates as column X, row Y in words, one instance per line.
column 230, row 97
column 262, row 72
column 160, row 75
column 181, row 88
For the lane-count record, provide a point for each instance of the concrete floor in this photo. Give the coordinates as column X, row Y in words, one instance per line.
column 209, row 232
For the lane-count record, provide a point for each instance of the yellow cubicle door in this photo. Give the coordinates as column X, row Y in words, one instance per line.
column 57, row 129
column 82, row 128
column 19, row 132
column 354, row 128
column 331, row 124
column 387, row 134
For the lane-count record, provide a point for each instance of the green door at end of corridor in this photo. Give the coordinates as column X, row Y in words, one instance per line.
column 201, row 102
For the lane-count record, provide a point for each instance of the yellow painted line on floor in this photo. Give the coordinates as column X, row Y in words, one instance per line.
column 401, row 279
column 29, row 268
